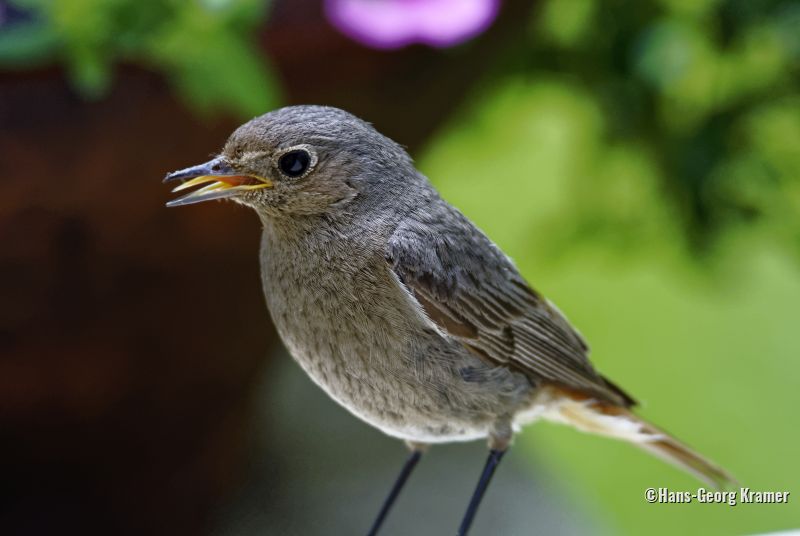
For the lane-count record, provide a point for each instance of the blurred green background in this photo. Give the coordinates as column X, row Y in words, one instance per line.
column 640, row 161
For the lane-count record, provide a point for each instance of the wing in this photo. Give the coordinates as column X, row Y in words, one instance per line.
column 473, row 292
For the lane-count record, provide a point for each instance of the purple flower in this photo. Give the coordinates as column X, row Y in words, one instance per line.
column 397, row 23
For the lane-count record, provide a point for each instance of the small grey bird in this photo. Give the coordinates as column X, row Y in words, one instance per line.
column 401, row 309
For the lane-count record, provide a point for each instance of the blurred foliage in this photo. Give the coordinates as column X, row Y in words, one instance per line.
column 697, row 102
column 206, row 48
column 641, row 163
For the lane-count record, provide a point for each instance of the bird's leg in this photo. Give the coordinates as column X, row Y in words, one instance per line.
column 498, row 447
column 416, row 453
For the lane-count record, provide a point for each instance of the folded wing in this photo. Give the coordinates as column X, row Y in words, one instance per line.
column 475, row 295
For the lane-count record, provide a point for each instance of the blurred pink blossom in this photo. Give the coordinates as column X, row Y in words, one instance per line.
column 397, row 23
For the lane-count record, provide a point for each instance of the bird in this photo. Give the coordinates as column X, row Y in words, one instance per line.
column 399, row 307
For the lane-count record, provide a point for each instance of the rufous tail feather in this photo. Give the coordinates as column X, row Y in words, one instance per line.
column 589, row 415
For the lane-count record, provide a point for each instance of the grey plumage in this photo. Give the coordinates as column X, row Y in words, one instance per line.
column 397, row 305
column 477, row 295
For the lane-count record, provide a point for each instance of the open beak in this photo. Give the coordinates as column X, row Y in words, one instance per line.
column 220, row 178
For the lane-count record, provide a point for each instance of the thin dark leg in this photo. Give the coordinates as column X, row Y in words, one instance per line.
column 486, row 476
column 411, row 462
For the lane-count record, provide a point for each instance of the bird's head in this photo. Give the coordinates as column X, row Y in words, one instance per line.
column 295, row 160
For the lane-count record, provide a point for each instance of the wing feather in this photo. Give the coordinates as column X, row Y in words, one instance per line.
column 474, row 293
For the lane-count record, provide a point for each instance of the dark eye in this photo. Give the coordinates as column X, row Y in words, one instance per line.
column 294, row 163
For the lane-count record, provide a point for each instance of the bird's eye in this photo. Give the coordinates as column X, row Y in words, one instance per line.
column 295, row 163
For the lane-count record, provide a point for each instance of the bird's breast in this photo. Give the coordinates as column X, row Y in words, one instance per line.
column 342, row 317
column 345, row 319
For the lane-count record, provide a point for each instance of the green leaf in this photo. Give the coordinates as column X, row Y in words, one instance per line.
column 27, row 45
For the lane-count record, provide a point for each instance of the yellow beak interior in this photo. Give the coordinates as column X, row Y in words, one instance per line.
column 218, row 187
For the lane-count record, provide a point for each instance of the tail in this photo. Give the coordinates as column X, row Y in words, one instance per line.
column 590, row 415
